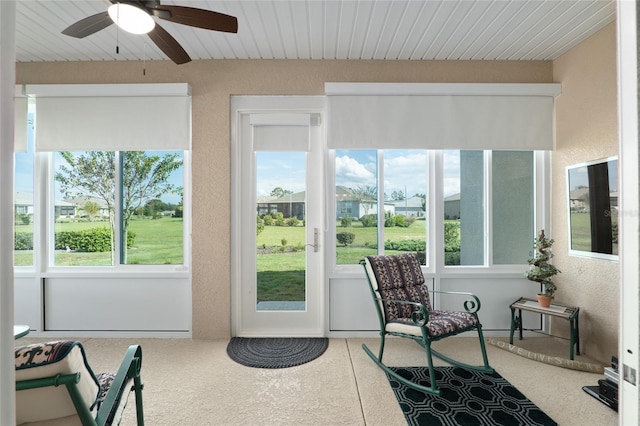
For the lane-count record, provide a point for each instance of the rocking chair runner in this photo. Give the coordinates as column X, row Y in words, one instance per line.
column 404, row 309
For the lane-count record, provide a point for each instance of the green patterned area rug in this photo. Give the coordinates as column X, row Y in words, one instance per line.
column 468, row 398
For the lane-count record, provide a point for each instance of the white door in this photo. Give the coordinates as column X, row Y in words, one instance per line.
column 277, row 223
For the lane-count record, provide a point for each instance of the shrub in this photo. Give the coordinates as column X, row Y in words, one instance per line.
column 406, row 245
column 293, row 221
column 268, row 219
column 279, row 219
column 345, row 221
column 259, row 225
column 89, row 240
column 345, row 238
column 400, row 221
column 389, row 221
column 23, row 241
column 25, row 218
column 369, row 220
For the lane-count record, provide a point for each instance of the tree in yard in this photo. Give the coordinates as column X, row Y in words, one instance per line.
column 397, row 195
column 91, row 208
column 279, row 192
column 143, row 178
column 366, row 195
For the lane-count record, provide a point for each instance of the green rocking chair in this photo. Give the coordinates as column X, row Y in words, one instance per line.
column 56, row 386
column 404, row 309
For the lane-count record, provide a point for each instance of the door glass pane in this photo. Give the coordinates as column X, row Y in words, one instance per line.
column 405, row 190
column 463, row 207
column 513, row 209
column 281, row 231
column 84, row 208
column 23, row 203
column 356, row 205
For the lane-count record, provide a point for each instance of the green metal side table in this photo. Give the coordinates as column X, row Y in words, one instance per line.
column 569, row 313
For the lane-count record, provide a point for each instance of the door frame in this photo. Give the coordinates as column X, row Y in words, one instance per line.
column 240, row 107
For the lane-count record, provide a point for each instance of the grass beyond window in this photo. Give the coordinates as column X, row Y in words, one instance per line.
column 157, row 242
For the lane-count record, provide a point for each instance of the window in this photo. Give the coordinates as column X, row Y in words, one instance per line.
column 23, row 203
column 118, row 208
column 475, row 186
column 363, row 225
column 463, row 207
column 513, row 205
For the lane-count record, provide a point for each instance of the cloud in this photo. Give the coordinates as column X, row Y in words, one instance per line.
column 351, row 173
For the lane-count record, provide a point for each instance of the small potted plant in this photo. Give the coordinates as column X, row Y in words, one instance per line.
column 541, row 271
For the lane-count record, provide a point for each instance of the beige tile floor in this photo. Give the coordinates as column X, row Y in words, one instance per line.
column 194, row 382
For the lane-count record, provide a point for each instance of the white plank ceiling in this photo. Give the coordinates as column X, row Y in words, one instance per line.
column 328, row 29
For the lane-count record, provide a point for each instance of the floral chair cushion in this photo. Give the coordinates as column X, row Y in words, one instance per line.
column 400, row 277
column 46, row 360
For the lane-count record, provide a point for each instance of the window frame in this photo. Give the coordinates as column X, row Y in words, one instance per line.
column 44, row 224
column 435, row 215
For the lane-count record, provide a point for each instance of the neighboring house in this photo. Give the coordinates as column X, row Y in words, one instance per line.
column 294, row 205
column 80, row 202
column 351, row 206
column 23, row 204
column 289, row 205
column 410, row 207
column 579, row 200
column 452, row 206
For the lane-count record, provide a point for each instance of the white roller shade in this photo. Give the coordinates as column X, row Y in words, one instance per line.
column 280, row 132
column 467, row 117
column 112, row 117
column 20, row 130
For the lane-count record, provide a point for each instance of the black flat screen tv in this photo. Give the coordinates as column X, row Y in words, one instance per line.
column 592, row 193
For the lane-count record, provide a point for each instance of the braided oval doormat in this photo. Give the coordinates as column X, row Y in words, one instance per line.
column 276, row 352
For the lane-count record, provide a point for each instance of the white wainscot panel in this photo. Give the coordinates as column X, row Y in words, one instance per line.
column 495, row 294
column 117, row 304
column 28, row 302
column 351, row 306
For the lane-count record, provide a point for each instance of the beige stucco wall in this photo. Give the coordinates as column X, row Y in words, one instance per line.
column 586, row 129
column 213, row 82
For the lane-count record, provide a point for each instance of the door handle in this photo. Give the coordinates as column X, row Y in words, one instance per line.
column 316, row 244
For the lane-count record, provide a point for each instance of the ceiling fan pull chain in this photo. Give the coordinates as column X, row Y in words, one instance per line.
column 144, row 60
column 117, row 41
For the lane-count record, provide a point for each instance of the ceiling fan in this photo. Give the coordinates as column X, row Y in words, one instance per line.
column 145, row 10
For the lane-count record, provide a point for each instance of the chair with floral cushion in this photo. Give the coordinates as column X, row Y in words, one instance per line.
column 56, row 386
column 404, row 309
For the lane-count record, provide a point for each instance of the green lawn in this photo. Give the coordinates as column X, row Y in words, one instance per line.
column 157, row 242
column 281, row 274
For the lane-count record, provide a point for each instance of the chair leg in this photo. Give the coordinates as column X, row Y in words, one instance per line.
column 138, row 393
column 399, row 378
column 432, row 371
column 483, row 349
column 381, row 351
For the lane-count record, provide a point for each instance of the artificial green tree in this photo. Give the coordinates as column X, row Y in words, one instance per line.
column 540, row 270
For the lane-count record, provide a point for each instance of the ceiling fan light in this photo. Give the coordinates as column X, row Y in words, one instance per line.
column 131, row 18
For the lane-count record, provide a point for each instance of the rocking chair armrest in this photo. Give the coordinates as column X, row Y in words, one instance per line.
column 129, row 369
column 419, row 317
column 471, row 305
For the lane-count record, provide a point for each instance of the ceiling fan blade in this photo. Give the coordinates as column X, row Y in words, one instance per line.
column 199, row 18
column 169, row 45
column 89, row 25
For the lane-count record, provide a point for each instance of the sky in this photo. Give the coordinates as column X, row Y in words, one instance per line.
column 405, row 171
